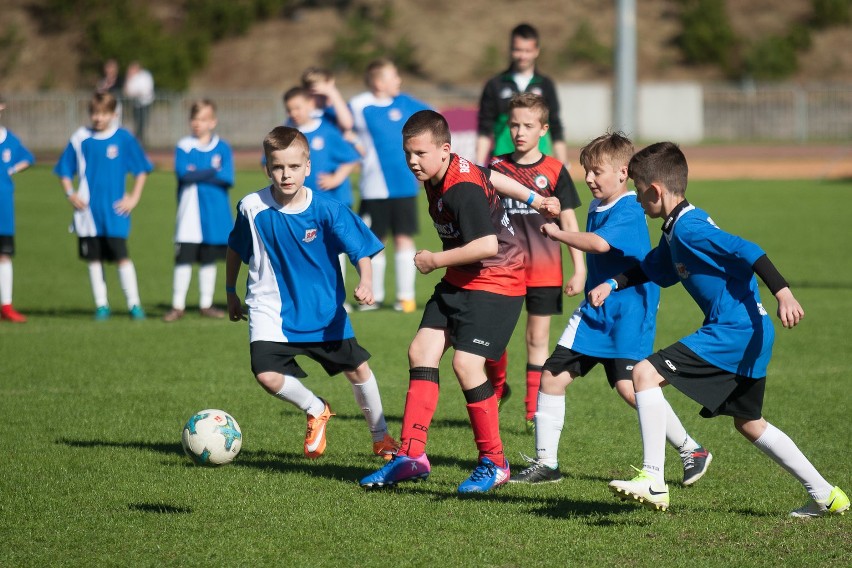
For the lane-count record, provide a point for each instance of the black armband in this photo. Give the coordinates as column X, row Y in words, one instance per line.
column 631, row 277
column 764, row 268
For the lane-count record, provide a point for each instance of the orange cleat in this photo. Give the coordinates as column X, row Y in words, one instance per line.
column 386, row 448
column 315, row 434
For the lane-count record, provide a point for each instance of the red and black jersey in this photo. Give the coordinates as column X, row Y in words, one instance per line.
column 465, row 207
column 549, row 178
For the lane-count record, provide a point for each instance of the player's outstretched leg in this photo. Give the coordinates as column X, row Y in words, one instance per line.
column 837, row 503
column 643, row 488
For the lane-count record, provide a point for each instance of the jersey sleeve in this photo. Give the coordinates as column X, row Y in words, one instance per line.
column 619, row 231
column 343, row 151
column 225, row 174
column 240, row 239
column 66, row 166
column 732, row 253
column 488, row 110
column 137, row 161
column 549, row 94
column 182, row 163
column 20, row 153
column 470, row 206
column 355, row 238
column 657, row 265
column 565, row 191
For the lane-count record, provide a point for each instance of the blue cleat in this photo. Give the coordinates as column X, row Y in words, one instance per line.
column 137, row 313
column 400, row 468
column 102, row 313
column 486, row 476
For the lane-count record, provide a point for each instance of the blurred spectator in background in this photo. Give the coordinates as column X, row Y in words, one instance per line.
column 139, row 89
column 112, row 82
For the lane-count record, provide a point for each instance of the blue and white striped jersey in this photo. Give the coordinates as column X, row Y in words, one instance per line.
column 204, row 174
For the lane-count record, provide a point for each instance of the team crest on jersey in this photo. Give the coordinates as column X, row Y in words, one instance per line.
column 541, row 181
column 681, row 270
column 536, row 91
column 506, row 93
column 395, row 114
column 318, row 143
column 112, row 151
column 310, row 234
column 216, row 161
column 440, row 205
column 7, row 155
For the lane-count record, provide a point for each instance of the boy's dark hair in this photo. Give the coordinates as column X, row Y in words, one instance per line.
column 662, row 162
column 525, row 31
column 102, row 101
column 281, row 138
column 199, row 104
column 294, row 92
column 613, row 147
column 424, row 121
column 533, row 102
column 374, row 68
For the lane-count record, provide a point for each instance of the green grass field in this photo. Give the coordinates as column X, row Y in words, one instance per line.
column 93, row 473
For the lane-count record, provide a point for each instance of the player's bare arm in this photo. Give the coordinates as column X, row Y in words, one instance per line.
column 585, row 242
column 73, row 198
column 476, row 250
column 130, row 200
column 507, row 187
column 232, row 271
column 364, row 290
column 577, row 282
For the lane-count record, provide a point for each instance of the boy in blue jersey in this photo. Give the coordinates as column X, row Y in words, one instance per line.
column 101, row 156
column 204, row 166
column 722, row 366
column 615, row 335
column 14, row 158
column 329, row 104
column 290, row 236
column 388, row 188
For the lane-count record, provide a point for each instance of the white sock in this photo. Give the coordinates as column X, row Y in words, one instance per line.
column 206, row 284
column 298, row 394
column 99, row 287
column 549, row 420
column 406, row 273
column 6, row 282
column 127, row 278
column 379, row 263
column 180, row 285
column 783, row 451
column 676, row 433
column 370, row 401
column 651, row 407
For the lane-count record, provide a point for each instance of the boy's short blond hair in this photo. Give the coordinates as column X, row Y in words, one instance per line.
column 199, row 104
column 313, row 75
column 613, row 148
column 281, row 138
column 662, row 162
column 533, row 102
column 427, row 121
column 102, row 101
column 374, row 69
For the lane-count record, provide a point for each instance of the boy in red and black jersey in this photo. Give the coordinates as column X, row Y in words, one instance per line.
column 528, row 122
column 474, row 308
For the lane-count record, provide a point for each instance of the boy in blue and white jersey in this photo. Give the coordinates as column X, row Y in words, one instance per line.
column 388, row 188
column 290, row 236
column 329, row 104
column 101, row 156
column 204, row 166
column 722, row 366
column 14, row 158
column 615, row 335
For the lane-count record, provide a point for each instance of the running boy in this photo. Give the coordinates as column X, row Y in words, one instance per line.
column 388, row 189
column 14, row 158
column 101, row 156
column 290, row 236
column 204, row 166
column 473, row 309
column 528, row 123
column 722, row 366
column 616, row 335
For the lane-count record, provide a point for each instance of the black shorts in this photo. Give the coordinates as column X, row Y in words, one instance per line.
column 110, row 249
column 579, row 365
column 479, row 322
column 188, row 253
column 334, row 356
column 7, row 245
column 718, row 391
column 399, row 216
column 544, row 300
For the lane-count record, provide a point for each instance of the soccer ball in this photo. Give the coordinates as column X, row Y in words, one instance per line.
column 211, row 437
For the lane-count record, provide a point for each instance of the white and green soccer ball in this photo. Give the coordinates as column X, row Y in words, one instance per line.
column 211, row 437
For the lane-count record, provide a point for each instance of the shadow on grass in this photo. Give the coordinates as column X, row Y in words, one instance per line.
column 159, row 508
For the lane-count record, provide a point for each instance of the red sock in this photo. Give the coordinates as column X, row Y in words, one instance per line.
column 485, row 421
column 533, row 382
column 420, row 404
column 495, row 370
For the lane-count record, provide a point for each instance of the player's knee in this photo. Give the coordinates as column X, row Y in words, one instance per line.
column 271, row 382
column 645, row 376
column 624, row 388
